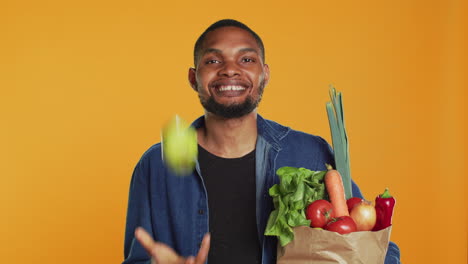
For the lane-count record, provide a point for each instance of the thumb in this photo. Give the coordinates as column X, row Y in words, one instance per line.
column 204, row 249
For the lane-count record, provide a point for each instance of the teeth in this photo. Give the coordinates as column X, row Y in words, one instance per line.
column 231, row 88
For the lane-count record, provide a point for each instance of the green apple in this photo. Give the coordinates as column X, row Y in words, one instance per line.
column 179, row 146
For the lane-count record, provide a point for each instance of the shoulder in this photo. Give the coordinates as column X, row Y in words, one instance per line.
column 301, row 149
column 287, row 135
column 292, row 132
column 151, row 156
column 305, row 143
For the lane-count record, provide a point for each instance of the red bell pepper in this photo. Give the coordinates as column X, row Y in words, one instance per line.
column 384, row 205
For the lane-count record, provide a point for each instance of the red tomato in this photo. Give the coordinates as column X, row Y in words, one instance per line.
column 342, row 225
column 351, row 202
column 319, row 213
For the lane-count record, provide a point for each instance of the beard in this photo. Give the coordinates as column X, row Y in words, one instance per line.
column 235, row 110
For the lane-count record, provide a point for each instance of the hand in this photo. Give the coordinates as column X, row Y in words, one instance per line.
column 163, row 254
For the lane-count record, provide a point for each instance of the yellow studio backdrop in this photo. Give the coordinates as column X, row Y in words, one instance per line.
column 87, row 85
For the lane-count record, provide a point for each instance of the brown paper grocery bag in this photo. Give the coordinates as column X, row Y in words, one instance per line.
column 316, row 246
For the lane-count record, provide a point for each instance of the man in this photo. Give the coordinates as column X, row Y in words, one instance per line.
column 239, row 153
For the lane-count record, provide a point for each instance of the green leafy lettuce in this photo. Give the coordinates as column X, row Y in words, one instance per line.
column 298, row 188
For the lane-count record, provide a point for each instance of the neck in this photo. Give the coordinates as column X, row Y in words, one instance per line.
column 229, row 138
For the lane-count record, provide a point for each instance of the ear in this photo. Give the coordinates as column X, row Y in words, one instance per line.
column 192, row 78
column 266, row 70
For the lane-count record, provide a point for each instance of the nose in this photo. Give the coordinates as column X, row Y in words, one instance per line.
column 229, row 69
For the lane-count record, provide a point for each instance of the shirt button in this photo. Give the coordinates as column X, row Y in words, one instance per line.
column 200, row 212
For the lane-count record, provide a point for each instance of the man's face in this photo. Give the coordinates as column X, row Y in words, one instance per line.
column 230, row 75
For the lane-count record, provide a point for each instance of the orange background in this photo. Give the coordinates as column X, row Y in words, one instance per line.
column 87, row 85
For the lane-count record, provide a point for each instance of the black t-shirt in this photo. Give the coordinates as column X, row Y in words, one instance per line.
column 230, row 184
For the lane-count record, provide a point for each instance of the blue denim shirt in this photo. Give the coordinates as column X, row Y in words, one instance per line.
column 174, row 210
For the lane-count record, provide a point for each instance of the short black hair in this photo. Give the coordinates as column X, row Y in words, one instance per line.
column 225, row 23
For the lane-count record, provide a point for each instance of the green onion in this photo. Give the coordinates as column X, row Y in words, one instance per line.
column 339, row 138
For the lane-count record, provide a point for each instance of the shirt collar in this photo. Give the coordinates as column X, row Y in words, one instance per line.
column 269, row 130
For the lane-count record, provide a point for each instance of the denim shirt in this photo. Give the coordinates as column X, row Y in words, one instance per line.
column 174, row 209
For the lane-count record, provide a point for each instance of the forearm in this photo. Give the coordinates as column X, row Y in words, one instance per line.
column 137, row 215
column 393, row 254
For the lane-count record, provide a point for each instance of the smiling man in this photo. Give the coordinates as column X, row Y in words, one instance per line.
column 219, row 212
column 230, row 76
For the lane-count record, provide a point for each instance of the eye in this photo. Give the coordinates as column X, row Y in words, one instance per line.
column 212, row 61
column 248, row 60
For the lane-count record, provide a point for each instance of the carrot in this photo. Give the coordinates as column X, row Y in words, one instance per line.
column 335, row 189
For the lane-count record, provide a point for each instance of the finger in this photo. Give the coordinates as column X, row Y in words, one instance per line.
column 190, row 260
column 145, row 239
column 162, row 253
column 158, row 251
column 204, row 249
